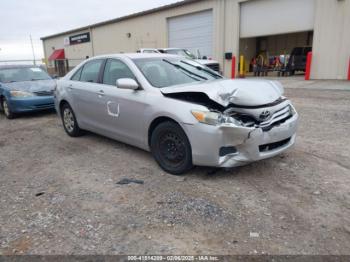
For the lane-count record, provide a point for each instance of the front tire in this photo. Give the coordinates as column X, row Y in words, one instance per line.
column 171, row 148
column 7, row 111
column 69, row 121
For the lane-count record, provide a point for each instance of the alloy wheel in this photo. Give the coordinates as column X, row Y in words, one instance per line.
column 68, row 120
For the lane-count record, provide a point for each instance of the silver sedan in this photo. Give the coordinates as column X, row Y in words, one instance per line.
column 183, row 112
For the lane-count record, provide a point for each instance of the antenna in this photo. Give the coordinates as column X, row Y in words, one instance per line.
column 31, row 42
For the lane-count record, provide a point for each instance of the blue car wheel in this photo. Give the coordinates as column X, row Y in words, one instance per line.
column 7, row 110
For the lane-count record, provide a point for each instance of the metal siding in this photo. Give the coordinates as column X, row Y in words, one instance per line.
column 193, row 31
column 272, row 17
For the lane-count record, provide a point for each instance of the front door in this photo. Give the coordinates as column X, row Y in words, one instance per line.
column 125, row 108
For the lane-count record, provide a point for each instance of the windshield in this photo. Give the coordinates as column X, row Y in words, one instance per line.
column 20, row 74
column 162, row 72
column 181, row 52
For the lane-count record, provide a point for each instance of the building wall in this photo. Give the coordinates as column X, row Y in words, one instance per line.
column 146, row 31
column 331, row 35
column 75, row 53
column 331, row 49
column 229, row 20
column 151, row 31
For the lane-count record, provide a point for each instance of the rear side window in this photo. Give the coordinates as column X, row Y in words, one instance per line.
column 115, row 70
column 91, row 71
column 76, row 76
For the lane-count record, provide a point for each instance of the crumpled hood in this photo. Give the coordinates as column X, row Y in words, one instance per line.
column 238, row 92
column 32, row 86
column 206, row 61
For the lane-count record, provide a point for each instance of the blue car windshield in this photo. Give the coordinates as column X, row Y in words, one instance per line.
column 20, row 74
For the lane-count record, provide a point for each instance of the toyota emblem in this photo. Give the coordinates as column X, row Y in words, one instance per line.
column 265, row 115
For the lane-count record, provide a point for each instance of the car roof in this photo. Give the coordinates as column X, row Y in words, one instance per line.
column 16, row 66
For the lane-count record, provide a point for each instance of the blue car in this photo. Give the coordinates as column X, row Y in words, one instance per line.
column 25, row 89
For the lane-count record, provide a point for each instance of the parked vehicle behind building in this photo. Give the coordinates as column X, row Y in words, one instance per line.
column 297, row 60
column 212, row 64
column 25, row 88
column 182, row 112
column 148, row 51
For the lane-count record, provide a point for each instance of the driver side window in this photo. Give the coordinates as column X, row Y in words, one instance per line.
column 115, row 70
column 90, row 71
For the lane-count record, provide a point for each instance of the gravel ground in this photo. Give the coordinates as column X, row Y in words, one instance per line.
column 59, row 195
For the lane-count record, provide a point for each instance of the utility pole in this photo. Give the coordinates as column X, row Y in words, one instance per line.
column 31, row 42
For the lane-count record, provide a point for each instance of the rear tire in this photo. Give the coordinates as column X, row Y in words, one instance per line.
column 7, row 111
column 171, row 148
column 69, row 121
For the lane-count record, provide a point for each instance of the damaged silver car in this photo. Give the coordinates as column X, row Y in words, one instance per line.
column 183, row 112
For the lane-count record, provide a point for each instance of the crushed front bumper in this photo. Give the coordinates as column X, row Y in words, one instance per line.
column 249, row 144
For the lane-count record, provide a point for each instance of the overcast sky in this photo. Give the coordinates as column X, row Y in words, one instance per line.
column 21, row 18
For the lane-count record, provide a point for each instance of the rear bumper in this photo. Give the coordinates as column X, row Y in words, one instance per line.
column 250, row 144
column 21, row 105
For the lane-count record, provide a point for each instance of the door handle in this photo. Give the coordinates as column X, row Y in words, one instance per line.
column 101, row 93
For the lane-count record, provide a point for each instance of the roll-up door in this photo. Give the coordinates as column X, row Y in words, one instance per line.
column 192, row 31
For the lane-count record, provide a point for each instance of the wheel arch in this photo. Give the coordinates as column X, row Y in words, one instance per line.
column 63, row 102
column 155, row 123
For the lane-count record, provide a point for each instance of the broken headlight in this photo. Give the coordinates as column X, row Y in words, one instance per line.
column 213, row 118
column 244, row 119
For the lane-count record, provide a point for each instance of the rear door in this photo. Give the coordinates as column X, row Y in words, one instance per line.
column 88, row 94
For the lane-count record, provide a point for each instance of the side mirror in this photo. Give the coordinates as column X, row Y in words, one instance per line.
column 55, row 76
column 127, row 83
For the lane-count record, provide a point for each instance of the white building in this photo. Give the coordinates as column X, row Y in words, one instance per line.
column 219, row 27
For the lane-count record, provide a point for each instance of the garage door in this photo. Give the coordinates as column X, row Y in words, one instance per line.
column 272, row 17
column 194, row 31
